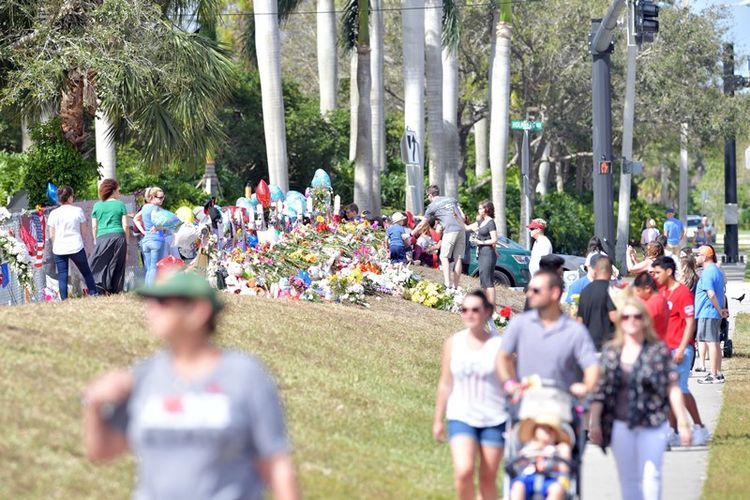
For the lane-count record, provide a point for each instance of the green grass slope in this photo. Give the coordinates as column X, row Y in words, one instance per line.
column 358, row 385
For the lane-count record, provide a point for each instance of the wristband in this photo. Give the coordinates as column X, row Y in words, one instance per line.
column 564, row 481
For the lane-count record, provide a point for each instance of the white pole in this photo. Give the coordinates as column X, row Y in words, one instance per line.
column 628, row 116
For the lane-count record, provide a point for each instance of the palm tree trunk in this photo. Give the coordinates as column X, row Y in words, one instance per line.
column 451, row 146
column 269, row 67
column 327, row 60
column 544, row 171
column 413, row 47
column 105, row 146
column 363, row 158
column 499, row 116
column 71, row 109
column 377, row 63
column 481, row 147
column 353, row 105
column 434, row 73
column 26, row 141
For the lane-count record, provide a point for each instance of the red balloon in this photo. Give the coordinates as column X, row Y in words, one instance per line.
column 263, row 194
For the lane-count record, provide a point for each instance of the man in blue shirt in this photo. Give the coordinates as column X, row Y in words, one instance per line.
column 674, row 230
column 709, row 310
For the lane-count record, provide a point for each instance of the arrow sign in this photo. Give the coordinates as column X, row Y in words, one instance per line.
column 527, row 125
column 410, row 148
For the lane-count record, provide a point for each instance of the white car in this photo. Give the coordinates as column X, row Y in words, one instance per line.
column 692, row 225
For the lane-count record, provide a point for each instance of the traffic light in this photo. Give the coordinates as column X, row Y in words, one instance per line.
column 646, row 21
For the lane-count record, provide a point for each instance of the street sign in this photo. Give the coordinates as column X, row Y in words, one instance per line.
column 534, row 126
column 410, row 148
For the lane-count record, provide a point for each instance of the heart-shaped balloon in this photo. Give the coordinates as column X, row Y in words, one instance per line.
column 263, row 194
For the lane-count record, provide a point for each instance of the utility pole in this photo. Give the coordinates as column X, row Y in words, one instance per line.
column 731, row 215
column 642, row 27
column 601, row 46
column 628, row 117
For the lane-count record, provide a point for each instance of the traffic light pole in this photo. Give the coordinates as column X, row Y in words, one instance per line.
column 600, row 45
column 731, row 233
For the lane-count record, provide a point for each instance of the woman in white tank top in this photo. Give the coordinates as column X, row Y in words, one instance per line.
column 471, row 398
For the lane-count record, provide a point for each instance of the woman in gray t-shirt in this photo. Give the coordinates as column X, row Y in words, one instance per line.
column 203, row 423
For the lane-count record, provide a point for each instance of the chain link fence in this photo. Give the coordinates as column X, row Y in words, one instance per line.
column 45, row 277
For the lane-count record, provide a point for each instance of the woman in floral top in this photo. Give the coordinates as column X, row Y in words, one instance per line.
column 630, row 409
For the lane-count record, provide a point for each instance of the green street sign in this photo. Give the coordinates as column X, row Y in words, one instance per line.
column 526, row 125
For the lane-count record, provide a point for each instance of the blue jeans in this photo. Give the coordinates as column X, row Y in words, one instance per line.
column 82, row 263
column 153, row 250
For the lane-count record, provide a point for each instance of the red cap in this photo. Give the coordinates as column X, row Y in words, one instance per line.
column 536, row 224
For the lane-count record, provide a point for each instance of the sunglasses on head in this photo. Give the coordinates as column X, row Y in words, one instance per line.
column 467, row 310
column 626, row 317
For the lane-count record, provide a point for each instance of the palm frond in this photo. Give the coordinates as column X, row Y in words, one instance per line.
column 175, row 118
column 451, row 25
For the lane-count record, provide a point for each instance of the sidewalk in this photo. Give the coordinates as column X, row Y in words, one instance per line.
column 684, row 468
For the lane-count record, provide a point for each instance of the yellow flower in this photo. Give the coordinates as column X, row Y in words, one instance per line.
column 320, row 218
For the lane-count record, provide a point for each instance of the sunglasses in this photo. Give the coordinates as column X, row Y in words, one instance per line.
column 626, row 317
column 535, row 290
column 467, row 310
column 159, row 197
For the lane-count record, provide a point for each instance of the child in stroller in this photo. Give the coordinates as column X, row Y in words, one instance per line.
column 543, row 448
column 543, row 460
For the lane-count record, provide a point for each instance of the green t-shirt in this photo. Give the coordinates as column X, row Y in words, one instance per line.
column 108, row 215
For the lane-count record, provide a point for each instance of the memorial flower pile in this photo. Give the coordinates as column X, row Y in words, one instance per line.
column 321, row 263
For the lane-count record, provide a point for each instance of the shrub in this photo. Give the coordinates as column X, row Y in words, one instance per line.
column 12, row 172
column 53, row 159
column 570, row 222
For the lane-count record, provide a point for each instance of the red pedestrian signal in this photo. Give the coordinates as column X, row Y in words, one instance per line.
column 605, row 167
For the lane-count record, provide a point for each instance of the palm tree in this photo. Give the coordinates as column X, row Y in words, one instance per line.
column 268, row 49
column 500, row 113
column 356, row 35
column 165, row 98
column 451, row 141
column 327, row 61
column 106, row 155
column 413, row 47
column 434, row 79
column 482, row 126
column 377, row 63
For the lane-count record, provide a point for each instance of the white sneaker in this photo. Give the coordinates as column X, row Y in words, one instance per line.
column 673, row 440
column 700, row 435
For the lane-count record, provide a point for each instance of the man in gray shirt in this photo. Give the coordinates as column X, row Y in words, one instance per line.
column 453, row 241
column 203, row 422
column 548, row 343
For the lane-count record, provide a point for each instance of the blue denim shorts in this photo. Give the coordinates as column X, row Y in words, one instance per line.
column 683, row 369
column 493, row 437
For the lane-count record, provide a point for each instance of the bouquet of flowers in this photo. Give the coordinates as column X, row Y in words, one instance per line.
column 436, row 296
column 14, row 252
column 502, row 317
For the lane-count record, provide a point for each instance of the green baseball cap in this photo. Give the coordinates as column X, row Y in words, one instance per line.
column 186, row 285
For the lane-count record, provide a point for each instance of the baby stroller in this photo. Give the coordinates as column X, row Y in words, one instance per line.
column 544, row 403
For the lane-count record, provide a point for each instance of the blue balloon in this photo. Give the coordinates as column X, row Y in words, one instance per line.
column 254, row 201
column 276, row 193
column 52, row 194
column 321, row 179
column 305, row 277
column 252, row 241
